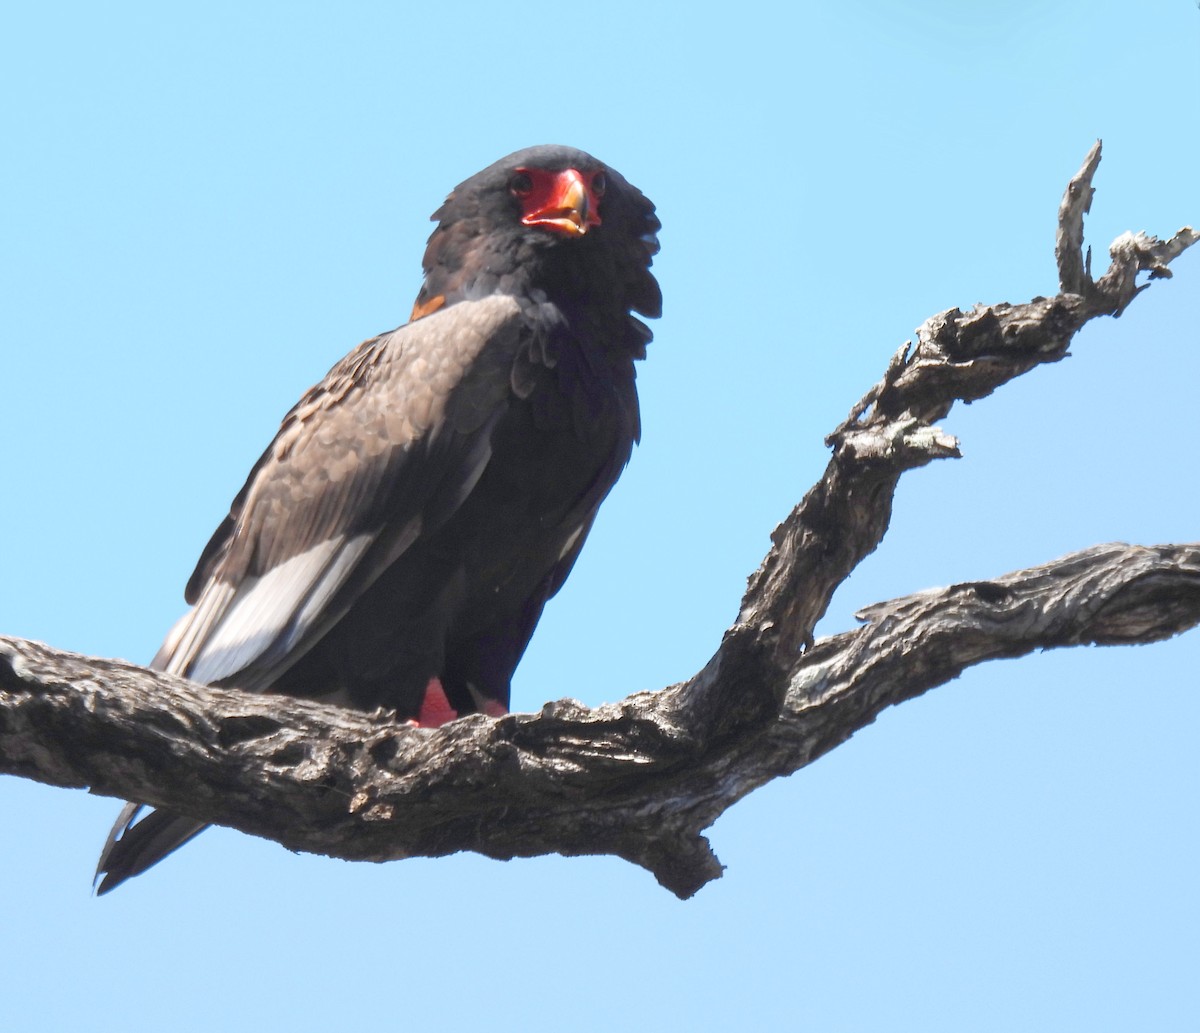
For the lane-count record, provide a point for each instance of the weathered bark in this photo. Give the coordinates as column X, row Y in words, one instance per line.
column 642, row 778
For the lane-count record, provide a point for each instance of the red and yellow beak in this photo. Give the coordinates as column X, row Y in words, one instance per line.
column 564, row 202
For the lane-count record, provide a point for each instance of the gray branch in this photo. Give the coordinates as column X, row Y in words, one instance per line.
column 642, row 779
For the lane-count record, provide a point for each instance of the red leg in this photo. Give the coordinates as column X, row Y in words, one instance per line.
column 435, row 707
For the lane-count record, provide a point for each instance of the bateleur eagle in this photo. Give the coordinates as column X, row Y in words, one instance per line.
column 395, row 544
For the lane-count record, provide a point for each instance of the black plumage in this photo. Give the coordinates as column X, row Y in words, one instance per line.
column 419, row 506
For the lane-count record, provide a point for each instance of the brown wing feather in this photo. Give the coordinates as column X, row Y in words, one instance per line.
column 391, row 439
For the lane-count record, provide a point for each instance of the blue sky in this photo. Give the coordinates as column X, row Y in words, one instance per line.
column 206, row 206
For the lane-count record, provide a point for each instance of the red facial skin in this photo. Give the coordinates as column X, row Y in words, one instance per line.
column 566, row 202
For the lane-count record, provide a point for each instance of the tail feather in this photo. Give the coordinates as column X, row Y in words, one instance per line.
column 132, row 848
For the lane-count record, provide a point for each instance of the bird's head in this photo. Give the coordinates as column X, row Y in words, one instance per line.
column 546, row 219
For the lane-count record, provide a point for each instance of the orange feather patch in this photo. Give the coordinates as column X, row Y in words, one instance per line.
column 426, row 307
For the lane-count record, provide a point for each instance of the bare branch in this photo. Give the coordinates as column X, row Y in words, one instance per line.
column 641, row 779
column 1074, row 276
column 959, row 356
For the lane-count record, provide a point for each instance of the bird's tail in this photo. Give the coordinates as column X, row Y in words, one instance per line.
column 132, row 848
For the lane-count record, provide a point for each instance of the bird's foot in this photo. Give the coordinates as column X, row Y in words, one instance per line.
column 435, row 707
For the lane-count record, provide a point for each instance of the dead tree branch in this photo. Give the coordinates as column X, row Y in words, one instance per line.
column 643, row 778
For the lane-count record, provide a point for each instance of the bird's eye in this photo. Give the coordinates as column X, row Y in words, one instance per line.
column 599, row 184
column 521, row 184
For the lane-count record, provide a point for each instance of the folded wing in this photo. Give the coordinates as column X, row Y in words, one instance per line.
column 381, row 451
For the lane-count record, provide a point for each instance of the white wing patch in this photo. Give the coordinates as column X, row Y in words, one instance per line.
column 235, row 628
column 317, row 603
